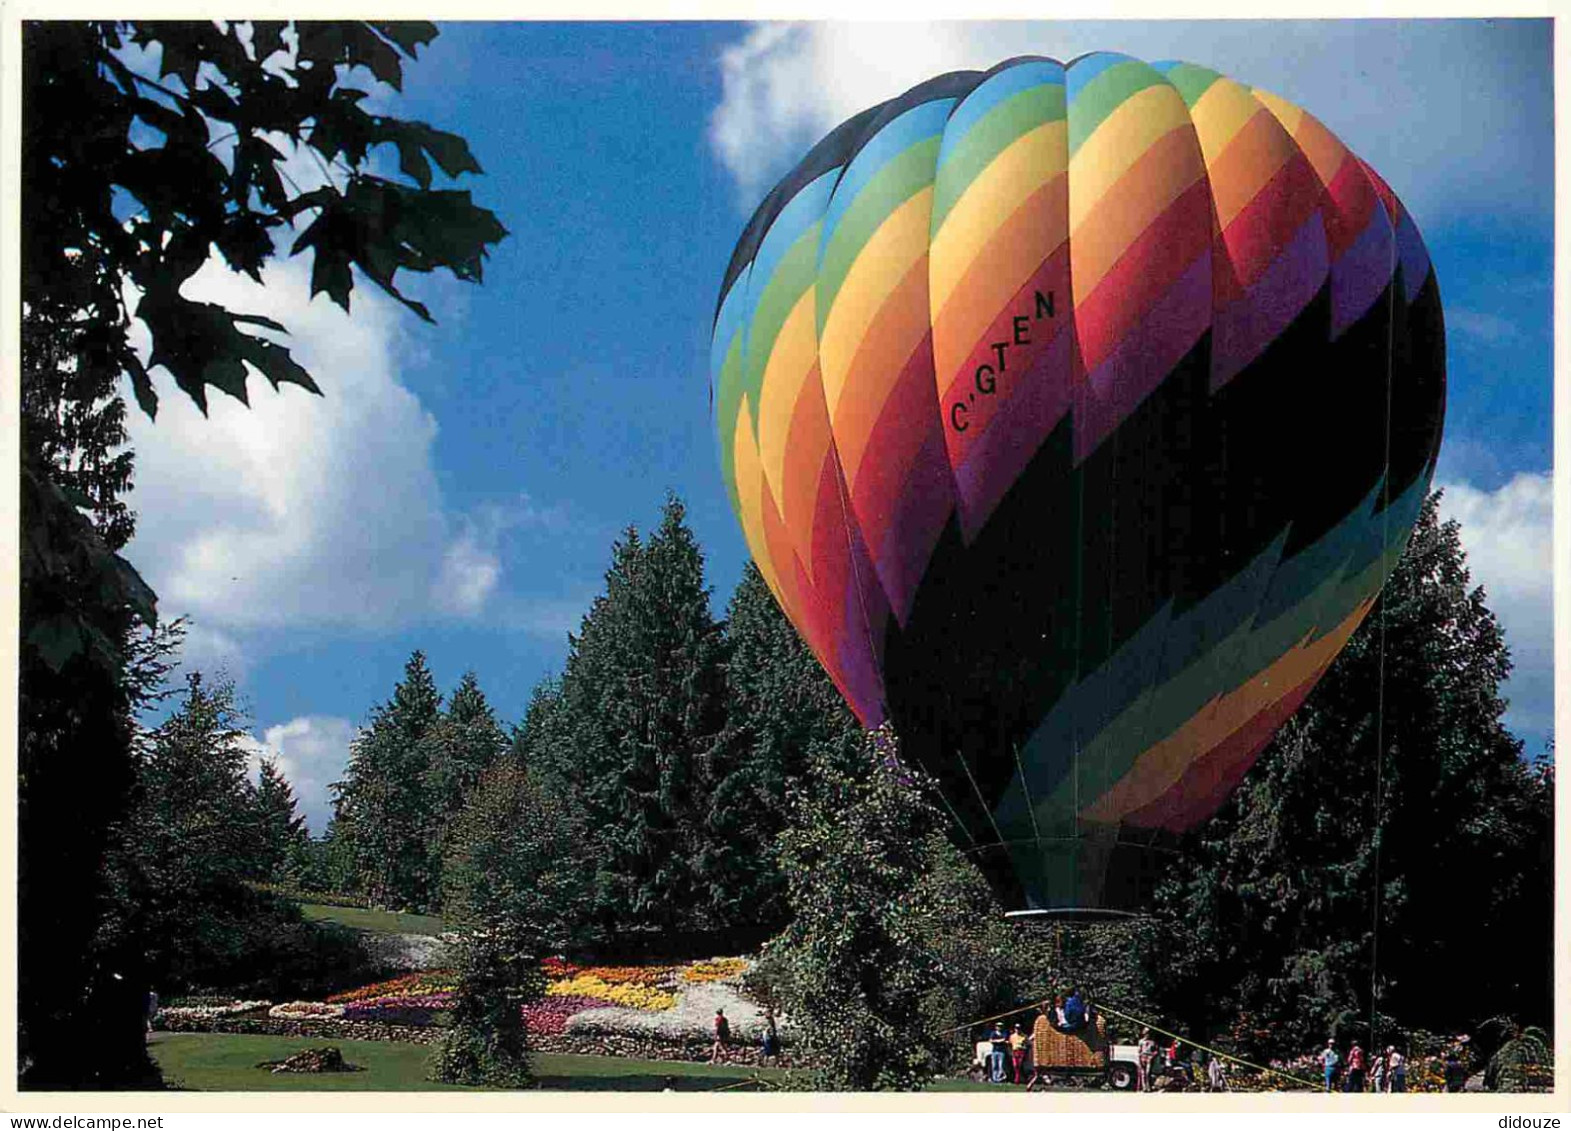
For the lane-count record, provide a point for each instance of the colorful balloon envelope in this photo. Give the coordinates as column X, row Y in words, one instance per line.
column 1075, row 415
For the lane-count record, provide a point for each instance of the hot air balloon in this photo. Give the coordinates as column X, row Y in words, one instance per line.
column 1075, row 415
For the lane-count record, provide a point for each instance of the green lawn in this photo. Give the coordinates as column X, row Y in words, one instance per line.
column 380, row 922
column 226, row 1062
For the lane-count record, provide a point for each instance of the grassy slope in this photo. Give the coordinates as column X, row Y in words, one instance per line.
column 226, row 1062
column 379, row 922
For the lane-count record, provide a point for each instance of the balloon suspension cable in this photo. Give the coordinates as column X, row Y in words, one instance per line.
column 1380, row 687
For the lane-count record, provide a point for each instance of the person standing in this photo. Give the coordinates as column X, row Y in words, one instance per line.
column 1146, row 1056
column 771, row 1049
column 997, row 1055
column 719, row 1053
column 1216, row 1074
column 1377, row 1073
column 1456, row 1074
column 1396, row 1077
column 1328, row 1061
column 1354, row 1080
column 1017, row 1053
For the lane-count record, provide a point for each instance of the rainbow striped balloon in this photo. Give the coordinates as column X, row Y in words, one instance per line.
column 1075, row 415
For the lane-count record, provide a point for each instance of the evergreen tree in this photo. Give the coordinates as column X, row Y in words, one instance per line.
column 459, row 747
column 280, row 829
column 382, row 804
column 643, row 697
column 783, row 706
column 1390, row 838
column 519, row 856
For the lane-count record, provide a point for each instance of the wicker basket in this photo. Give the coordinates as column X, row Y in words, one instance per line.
column 1086, row 1048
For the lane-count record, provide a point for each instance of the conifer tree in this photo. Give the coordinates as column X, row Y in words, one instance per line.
column 382, row 800
column 643, row 695
column 459, row 747
column 783, row 707
column 280, row 829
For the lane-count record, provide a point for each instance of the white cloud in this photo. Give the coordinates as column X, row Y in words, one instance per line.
column 1508, row 535
column 312, row 752
column 1436, row 106
column 302, row 509
column 467, row 578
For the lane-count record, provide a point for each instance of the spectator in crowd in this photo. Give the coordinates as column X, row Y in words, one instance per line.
column 998, row 1054
column 1216, row 1074
column 1328, row 1061
column 1354, row 1079
column 1017, row 1053
column 1145, row 1058
column 1396, row 1076
column 1455, row 1071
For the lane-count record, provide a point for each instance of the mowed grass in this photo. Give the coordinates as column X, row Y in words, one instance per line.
column 226, row 1062
column 378, row 922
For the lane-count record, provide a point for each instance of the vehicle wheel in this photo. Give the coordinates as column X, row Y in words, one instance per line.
column 1121, row 1076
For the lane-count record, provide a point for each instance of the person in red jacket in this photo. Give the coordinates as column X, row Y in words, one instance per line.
column 1354, row 1080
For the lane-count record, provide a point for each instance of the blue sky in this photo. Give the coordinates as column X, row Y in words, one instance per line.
column 458, row 487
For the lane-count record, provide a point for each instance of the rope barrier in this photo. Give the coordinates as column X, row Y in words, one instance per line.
column 1143, row 1024
column 1207, row 1048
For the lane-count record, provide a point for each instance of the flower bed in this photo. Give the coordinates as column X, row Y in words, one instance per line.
column 716, row 970
column 302, row 1009
column 410, row 1009
column 211, row 1009
column 633, row 995
column 406, row 985
column 549, row 1015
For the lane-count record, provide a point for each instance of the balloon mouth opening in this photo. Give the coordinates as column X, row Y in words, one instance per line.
column 1070, row 915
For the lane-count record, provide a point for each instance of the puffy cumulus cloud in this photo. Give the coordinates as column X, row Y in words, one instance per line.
column 304, row 510
column 1508, row 535
column 1455, row 114
column 312, row 752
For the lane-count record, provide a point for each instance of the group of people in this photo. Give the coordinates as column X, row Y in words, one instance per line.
column 1382, row 1072
column 1154, row 1061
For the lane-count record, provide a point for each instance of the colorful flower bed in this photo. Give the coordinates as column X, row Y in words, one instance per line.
column 410, row 1009
column 610, row 991
column 421, row 982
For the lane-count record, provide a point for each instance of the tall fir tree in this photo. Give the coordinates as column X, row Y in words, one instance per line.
column 643, row 697
column 783, row 707
column 280, row 829
column 382, row 805
column 1389, row 839
column 460, row 746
